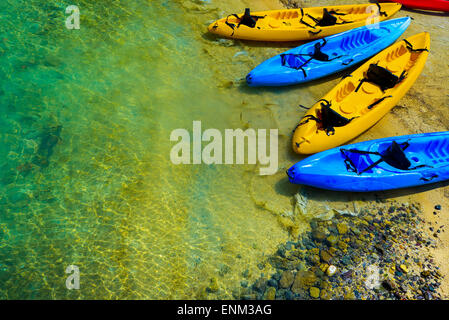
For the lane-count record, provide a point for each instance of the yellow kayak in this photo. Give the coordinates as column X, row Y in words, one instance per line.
column 363, row 98
column 302, row 23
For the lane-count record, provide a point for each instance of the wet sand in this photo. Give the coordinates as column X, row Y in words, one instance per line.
column 422, row 110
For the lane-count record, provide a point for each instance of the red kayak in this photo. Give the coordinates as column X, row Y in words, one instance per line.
column 436, row 5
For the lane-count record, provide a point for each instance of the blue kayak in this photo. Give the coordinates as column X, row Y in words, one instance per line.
column 326, row 56
column 383, row 164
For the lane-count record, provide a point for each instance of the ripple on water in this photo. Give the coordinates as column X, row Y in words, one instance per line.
column 100, row 191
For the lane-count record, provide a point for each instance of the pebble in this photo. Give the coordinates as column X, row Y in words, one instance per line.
column 225, row 42
column 315, row 292
column 346, row 261
column 347, row 274
column 325, row 256
column 331, row 270
column 403, row 268
column 340, row 251
column 318, row 236
column 287, row 279
column 388, row 285
column 289, row 295
column 270, row 294
column 332, row 240
column 272, row 283
column 342, row 228
column 213, row 286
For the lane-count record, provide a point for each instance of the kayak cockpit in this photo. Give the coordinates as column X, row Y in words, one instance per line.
column 388, row 156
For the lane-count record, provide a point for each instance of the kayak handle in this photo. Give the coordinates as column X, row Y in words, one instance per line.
column 429, row 178
column 315, row 32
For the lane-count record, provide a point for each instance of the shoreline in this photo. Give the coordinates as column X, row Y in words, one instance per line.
column 410, row 116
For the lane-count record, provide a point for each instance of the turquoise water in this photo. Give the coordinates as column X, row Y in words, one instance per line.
column 86, row 177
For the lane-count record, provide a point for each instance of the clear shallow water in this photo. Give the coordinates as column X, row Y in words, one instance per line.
column 85, row 175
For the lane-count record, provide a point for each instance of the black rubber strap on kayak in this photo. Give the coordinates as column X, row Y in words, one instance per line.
column 362, row 152
column 382, row 13
column 362, row 81
column 420, row 166
column 377, row 102
column 350, row 166
column 283, row 62
column 313, row 18
column 231, row 25
column 375, row 164
column 307, row 118
column 305, row 23
column 347, row 63
column 410, row 47
column 337, row 13
column 303, row 70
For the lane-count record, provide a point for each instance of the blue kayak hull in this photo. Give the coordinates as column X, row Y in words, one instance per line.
column 428, row 155
column 342, row 51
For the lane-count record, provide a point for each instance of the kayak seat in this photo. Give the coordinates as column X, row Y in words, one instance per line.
column 293, row 61
column 381, row 77
column 395, row 157
column 327, row 119
column 246, row 19
column 328, row 19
